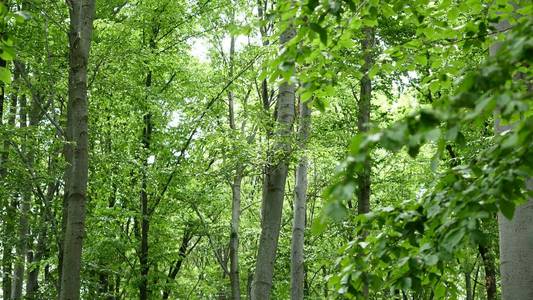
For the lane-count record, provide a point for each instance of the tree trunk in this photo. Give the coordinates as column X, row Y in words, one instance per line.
column 490, row 271
column 274, row 190
column 363, row 122
column 145, row 222
column 516, row 248
column 21, row 248
column 235, row 195
column 34, row 256
column 9, row 228
column 468, row 286
column 80, row 31
column 363, row 119
column 516, row 252
column 182, row 253
column 300, row 208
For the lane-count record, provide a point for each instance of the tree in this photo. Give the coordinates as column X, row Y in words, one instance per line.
column 274, row 188
column 80, row 32
column 300, row 207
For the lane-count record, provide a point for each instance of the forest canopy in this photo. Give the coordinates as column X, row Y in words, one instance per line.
column 233, row 149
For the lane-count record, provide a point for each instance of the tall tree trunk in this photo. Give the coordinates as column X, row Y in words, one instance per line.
column 274, row 189
column 21, row 248
column 182, row 253
column 80, row 32
column 9, row 226
column 363, row 122
column 300, row 208
column 516, row 248
column 490, row 271
column 363, row 119
column 468, row 286
column 235, row 195
column 34, row 256
column 145, row 222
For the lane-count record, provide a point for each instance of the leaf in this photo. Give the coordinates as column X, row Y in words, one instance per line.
column 507, row 208
column 321, row 32
column 431, row 260
column 421, row 59
column 453, row 238
column 5, row 75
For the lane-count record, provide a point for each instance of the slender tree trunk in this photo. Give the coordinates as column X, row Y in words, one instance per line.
column 9, row 226
column 468, row 286
column 21, row 249
column 363, row 119
column 490, row 271
column 34, row 256
column 235, row 195
column 80, row 32
column 300, row 208
column 274, row 190
column 182, row 253
column 145, row 222
column 363, row 122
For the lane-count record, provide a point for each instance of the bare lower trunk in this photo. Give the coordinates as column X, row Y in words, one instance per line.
column 300, row 204
column 363, row 119
column 21, row 249
column 363, row 122
column 516, row 247
column 80, row 32
column 182, row 253
column 235, row 196
column 274, row 191
column 145, row 222
column 234, row 235
column 516, row 252
column 468, row 286
column 9, row 228
column 490, row 271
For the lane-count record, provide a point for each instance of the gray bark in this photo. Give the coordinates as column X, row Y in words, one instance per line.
column 80, row 32
column 274, row 190
column 21, row 248
column 363, row 122
column 516, row 244
column 300, row 208
column 363, row 118
column 9, row 228
column 235, row 196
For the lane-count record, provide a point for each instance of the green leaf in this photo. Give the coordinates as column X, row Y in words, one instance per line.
column 321, row 32
column 421, row 59
column 5, row 75
column 453, row 238
column 507, row 208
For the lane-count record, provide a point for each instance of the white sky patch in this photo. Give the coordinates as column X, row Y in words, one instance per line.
column 200, row 49
column 175, row 119
column 200, row 46
column 151, row 159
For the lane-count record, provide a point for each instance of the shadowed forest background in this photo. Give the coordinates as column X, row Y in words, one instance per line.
column 289, row 149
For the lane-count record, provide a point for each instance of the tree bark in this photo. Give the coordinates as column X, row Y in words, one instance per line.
column 21, row 248
column 300, row 208
column 182, row 253
column 468, row 286
column 490, row 271
column 234, row 275
column 80, row 32
column 145, row 222
column 363, row 123
column 274, row 189
column 9, row 228
column 516, row 248
column 363, row 118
